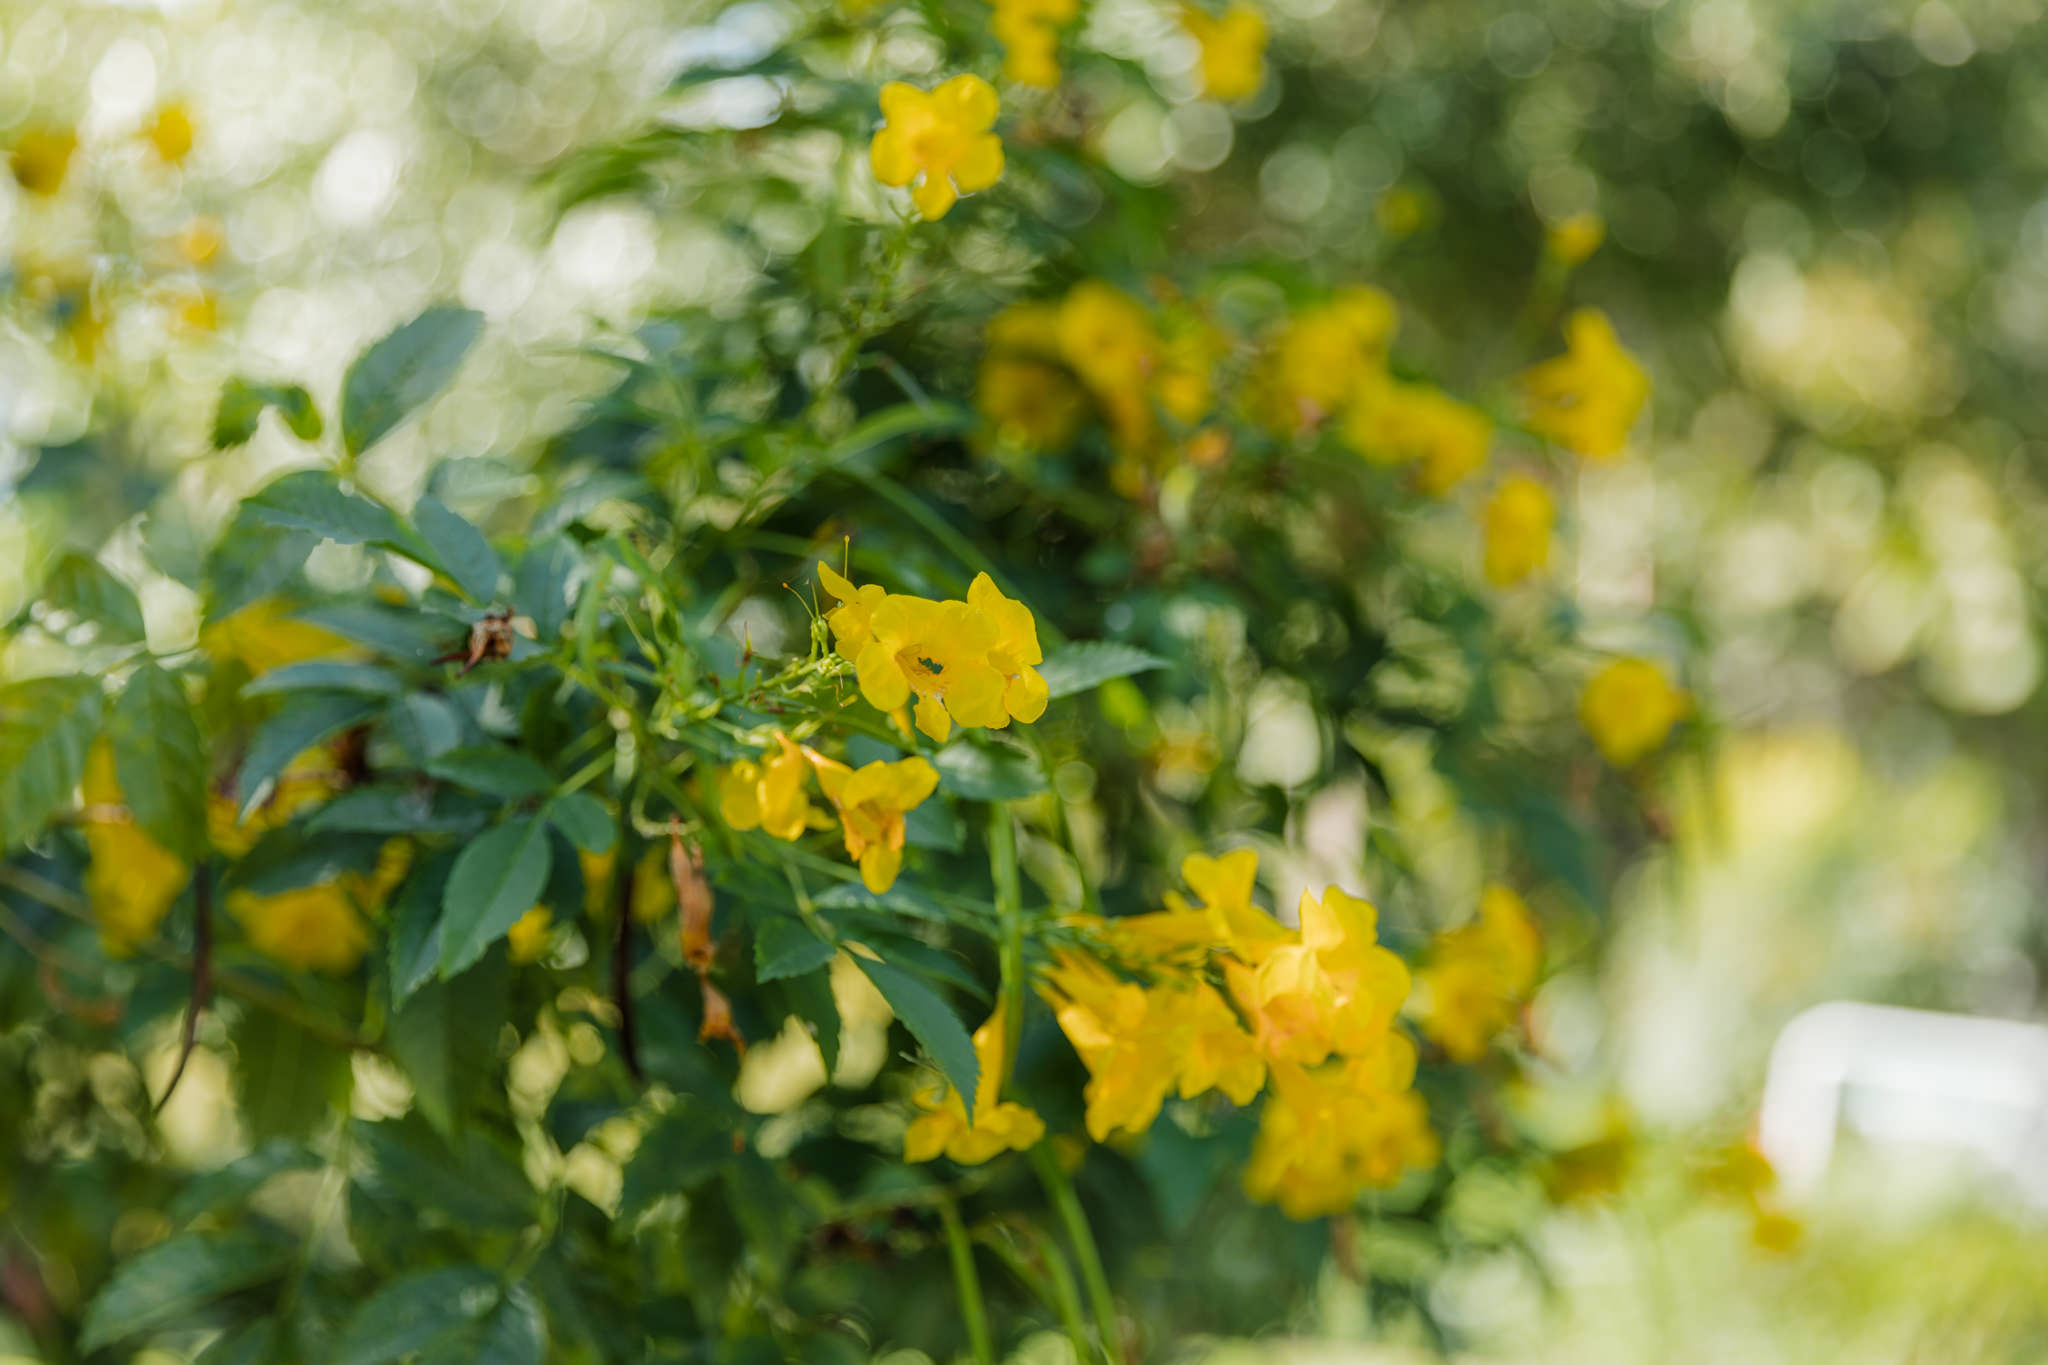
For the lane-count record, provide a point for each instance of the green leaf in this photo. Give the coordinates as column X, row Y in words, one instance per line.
column 173, row 1278
column 931, row 1021
column 411, row 1312
column 385, row 808
column 475, row 1179
column 291, row 732
column 583, row 820
column 254, row 1343
column 435, row 1038
column 810, row 998
column 86, row 588
column 252, row 560
column 686, row 1147
column 494, row 881
column 242, row 403
column 1090, row 663
column 403, row 372
column 492, row 770
column 787, row 945
column 545, row 585
column 240, row 1178
column 160, row 759
column 894, row 424
column 46, row 726
column 407, row 633
column 987, row 774
column 516, row 1334
column 416, row 927
column 424, row 725
column 313, row 500
column 327, row 675
column 459, row 549
column 287, row 1080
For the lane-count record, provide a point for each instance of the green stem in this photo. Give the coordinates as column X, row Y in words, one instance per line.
column 1055, row 1288
column 968, row 1282
column 1002, row 868
column 1068, row 1205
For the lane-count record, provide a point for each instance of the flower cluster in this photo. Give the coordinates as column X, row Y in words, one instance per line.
column 1029, row 31
column 1517, row 523
column 943, row 1127
column 1477, row 976
column 971, row 662
column 1309, row 1015
column 940, row 139
column 871, row 802
column 1233, row 50
column 1587, row 399
column 1629, row 708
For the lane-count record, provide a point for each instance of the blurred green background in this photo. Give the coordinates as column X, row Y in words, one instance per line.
column 1827, row 237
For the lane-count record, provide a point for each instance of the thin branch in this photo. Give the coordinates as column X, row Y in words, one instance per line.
column 202, row 974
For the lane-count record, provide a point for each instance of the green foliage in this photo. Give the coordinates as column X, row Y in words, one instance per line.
column 403, row 372
column 242, row 404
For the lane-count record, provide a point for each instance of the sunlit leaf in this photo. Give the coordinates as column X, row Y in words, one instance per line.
column 404, row 371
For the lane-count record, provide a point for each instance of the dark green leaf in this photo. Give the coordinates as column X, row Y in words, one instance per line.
column 931, row 1021
column 46, row 726
column 424, row 726
column 933, row 825
column 685, row 1147
column 308, row 721
column 516, row 1334
column 242, row 403
column 253, row 1344
column 172, row 1279
column 811, row 1000
column 475, row 1180
column 240, row 1178
column 1090, row 663
column 313, row 500
column 327, row 675
column 435, row 1038
column 416, row 927
column 287, row 1080
column 492, row 770
column 402, row 372
column 408, row 633
column 381, row 808
column 252, row 560
column 497, row 879
column 984, row 774
column 459, row 550
column 408, row 1314
column 788, row 945
column 86, row 588
column 160, row 759
column 545, row 584
column 583, row 819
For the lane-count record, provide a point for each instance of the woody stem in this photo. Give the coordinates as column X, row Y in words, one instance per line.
column 1002, row 868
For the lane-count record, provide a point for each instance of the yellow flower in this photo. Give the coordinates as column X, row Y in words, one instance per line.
column 872, row 801
column 195, row 311
column 971, row 662
column 1390, row 422
column 1233, row 51
column 1577, row 237
column 767, row 795
column 1629, row 708
column 314, row 928
column 170, row 132
column 1329, row 1134
column 371, row 890
column 261, row 637
column 132, row 880
column 1325, row 355
column 201, row 239
column 41, row 158
column 1107, row 338
column 940, row 139
column 943, row 1128
column 1586, row 399
column 530, row 933
column 1335, row 991
column 1231, row 921
column 1130, row 1064
column 307, row 780
column 1478, row 975
column 1518, row 519
column 1027, row 397
column 1029, row 32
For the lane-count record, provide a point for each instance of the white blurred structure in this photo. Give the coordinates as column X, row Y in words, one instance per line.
column 1900, row 1077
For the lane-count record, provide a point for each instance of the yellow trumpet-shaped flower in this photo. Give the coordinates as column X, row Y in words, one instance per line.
column 1230, row 920
column 872, row 801
column 1478, row 975
column 1334, row 992
column 1391, row 422
column 1023, row 392
column 314, row 928
column 1629, row 708
column 1329, row 1134
column 940, row 139
column 972, row 662
column 1517, row 522
column 527, row 940
column 40, row 159
column 943, row 1128
column 1233, row 50
column 1587, row 399
column 132, row 880
column 1324, row 356
column 1029, row 32
column 768, row 795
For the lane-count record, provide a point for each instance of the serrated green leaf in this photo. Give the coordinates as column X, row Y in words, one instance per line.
column 411, row 1312
column 583, row 820
column 79, row 584
column 313, row 500
column 327, row 675
column 381, row 808
column 686, row 1147
column 288, row 1082
column 787, row 945
column 495, row 880
column 434, row 1037
column 412, row 634
column 416, row 927
column 175, row 1277
column 404, row 371
column 811, row 1000
column 252, row 560
column 241, row 407
column 425, row 725
column 545, row 586
column 1090, row 663
column 492, row 770
column 308, row 721
column 515, row 1334
column 459, row 550
column 931, row 1021
column 969, row 770
column 46, row 727
column 160, row 759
